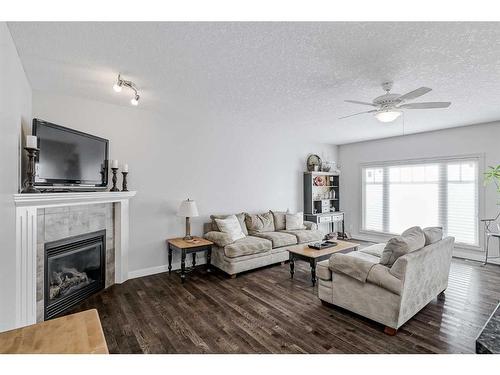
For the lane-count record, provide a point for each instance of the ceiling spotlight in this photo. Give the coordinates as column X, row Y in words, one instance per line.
column 120, row 83
column 135, row 100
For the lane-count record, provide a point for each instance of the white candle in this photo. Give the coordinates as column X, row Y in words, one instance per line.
column 114, row 163
column 125, row 168
column 31, row 141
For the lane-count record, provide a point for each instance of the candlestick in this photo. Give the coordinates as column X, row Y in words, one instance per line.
column 114, row 164
column 31, row 141
column 124, row 182
column 125, row 168
column 114, row 188
column 30, row 187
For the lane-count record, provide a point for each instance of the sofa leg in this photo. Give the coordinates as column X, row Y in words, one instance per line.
column 282, row 262
column 327, row 304
column 441, row 296
column 233, row 276
column 390, row 331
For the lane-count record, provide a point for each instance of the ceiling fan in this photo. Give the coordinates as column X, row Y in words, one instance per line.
column 389, row 106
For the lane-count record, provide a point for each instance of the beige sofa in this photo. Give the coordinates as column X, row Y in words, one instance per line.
column 256, row 249
column 388, row 295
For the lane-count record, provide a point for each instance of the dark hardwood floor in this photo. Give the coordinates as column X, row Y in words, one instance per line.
column 264, row 311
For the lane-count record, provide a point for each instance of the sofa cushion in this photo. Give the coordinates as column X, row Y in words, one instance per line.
column 241, row 219
column 231, row 226
column 246, row 246
column 375, row 250
column 294, row 221
column 279, row 239
column 279, row 219
column 410, row 240
column 432, row 235
column 305, row 235
column 260, row 222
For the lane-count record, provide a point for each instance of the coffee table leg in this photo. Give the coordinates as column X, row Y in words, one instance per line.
column 183, row 266
column 313, row 271
column 292, row 265
column 209, row 259
column 194, row 260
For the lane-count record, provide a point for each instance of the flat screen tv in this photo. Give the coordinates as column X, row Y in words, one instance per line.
column 69, row 158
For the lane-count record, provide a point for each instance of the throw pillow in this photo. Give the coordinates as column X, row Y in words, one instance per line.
column 241, row 219
column 295, row 221
column 279, row 219
column 260, row 222
column 410, row 240
column 231, row 226
column 432, row 235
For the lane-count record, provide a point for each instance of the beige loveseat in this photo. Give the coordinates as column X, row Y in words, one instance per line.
column 257, row 249
column 388, row 295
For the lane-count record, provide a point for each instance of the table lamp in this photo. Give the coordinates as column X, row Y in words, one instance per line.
column 188, row 210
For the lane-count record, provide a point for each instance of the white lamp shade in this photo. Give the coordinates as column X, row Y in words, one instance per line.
column 188, row 209
column 387, row 115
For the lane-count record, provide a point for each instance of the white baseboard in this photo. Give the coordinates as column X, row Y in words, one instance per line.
column 157, row 269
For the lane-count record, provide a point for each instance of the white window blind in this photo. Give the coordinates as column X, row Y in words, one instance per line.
column 441, row 193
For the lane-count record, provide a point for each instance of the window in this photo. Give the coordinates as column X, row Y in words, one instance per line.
column 442, row 193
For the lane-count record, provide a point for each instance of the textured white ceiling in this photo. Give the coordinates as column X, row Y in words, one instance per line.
column 294, row 76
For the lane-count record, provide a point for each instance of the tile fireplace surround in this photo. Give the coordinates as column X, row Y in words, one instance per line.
column 57, row 212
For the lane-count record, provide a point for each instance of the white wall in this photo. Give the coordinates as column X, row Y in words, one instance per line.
column 15, row 112
column 226, row 169
column 474, row 139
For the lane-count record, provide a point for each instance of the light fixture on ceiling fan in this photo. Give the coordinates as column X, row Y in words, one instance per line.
column 120, row 83
column 389, row 106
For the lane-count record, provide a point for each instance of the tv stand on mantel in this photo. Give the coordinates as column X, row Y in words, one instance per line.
column 69, row 190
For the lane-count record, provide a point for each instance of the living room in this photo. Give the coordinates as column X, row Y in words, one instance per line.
column 250, row 187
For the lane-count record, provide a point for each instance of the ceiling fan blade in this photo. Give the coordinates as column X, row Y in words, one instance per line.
column 360, row 113
column 358, row 102
column 415, row 93
column 426, row 105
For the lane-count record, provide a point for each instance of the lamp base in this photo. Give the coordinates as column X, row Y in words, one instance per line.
column 188, row 236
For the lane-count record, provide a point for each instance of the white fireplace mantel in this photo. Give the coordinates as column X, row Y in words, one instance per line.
column 26, row 240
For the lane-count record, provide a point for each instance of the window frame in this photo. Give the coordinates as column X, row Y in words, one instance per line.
column 479, row 158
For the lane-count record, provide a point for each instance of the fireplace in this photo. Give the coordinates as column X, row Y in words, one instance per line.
column 75, row 268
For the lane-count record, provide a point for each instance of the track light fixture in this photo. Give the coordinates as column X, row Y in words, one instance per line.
column 120, row 83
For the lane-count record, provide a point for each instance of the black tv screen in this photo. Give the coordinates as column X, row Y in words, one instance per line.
column 69, row 157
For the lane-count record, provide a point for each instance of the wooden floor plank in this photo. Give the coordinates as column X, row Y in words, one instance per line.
column 264, row 311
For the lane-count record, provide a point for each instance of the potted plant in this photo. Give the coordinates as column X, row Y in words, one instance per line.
column 492, row 174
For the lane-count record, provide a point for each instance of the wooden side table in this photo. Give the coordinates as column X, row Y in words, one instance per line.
column 196, row 245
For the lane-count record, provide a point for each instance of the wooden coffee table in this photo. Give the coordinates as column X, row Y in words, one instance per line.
column 314, row 256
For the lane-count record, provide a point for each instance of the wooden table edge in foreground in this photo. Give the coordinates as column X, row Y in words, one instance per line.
column 79, row 333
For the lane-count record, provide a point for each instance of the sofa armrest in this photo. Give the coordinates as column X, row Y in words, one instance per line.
column 310, row 225
column 353, row 266
column 381, row 276
column 219, row 238
column 322, row 271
